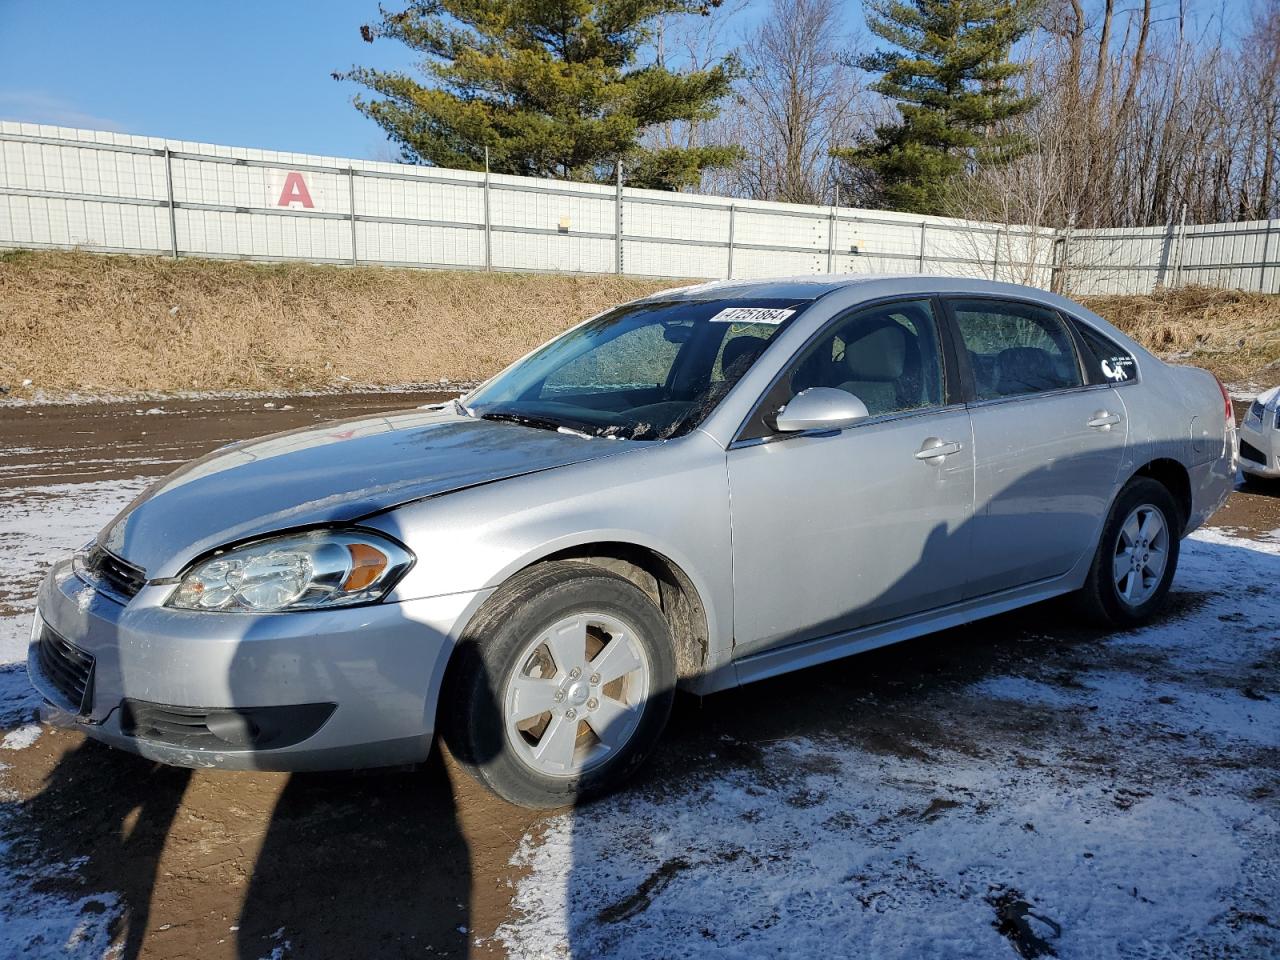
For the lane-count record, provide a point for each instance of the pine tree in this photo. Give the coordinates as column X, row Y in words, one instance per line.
column 553, row 88
column 951, row 75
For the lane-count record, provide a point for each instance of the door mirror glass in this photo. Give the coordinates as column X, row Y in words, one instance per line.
column 820, row 408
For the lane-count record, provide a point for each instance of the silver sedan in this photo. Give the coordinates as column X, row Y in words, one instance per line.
column 700, row 489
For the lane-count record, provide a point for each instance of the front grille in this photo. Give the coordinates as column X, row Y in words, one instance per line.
column 67, row 668
column 113, row 573
column 1249, row 452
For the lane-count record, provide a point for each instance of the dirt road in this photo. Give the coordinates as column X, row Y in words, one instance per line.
column 1018, row 787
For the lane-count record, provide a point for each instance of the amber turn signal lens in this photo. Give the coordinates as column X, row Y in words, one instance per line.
column 366, row 565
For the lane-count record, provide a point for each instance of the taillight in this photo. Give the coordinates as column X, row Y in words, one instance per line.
column 1226, row 402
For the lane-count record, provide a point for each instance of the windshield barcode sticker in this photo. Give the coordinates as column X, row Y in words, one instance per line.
column 751, row 315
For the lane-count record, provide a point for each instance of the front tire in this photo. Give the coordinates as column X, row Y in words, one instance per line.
column 1136, row 558
column 561, row 687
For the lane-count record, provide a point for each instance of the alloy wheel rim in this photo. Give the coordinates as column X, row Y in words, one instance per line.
column 576, row 694
column 1141, row 555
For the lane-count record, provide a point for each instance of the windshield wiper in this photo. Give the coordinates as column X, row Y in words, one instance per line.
column 538, row 423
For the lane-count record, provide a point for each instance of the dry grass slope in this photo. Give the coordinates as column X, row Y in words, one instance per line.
column 86, row 323
column 1232, row 333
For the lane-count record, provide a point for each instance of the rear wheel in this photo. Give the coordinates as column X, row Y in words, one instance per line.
column 1136, row 558
column 561, row 687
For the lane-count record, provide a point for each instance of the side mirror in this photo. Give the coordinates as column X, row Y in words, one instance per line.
column 820, row 408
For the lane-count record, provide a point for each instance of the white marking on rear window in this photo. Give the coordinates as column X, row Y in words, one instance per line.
column 1118, row 369
column 751, row 315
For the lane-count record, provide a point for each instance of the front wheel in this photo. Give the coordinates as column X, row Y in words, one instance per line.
column 1136, row 558
column 561, row 687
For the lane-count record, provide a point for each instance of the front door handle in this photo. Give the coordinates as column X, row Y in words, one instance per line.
column 934, row 449
column 1104, row 420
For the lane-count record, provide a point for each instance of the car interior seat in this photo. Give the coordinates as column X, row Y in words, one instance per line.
column 739, row 353
column 1026, row 370
column 882, row 368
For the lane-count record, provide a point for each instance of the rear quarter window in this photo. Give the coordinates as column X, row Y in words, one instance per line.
column 1105, row 360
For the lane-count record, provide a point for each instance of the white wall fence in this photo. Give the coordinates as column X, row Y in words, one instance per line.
column 65, row 188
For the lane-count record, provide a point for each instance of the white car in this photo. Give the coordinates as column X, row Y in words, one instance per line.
column 1260, row 436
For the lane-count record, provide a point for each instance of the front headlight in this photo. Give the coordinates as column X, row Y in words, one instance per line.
column 327, row 568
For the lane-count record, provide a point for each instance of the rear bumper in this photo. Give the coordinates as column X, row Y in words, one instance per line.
column 334, row 689
column 1211, row 484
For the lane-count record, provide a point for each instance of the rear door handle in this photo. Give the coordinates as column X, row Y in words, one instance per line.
column 1104, row 420
column 933, row 449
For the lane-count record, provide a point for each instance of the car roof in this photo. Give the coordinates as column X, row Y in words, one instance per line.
column 868, row 286
column 813, row 286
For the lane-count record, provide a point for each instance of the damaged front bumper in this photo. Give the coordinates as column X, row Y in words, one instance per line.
column 319, row 690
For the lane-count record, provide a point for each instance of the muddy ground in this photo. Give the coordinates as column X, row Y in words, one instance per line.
column 171, row 863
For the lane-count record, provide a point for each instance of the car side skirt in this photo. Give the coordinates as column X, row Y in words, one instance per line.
column 808, row 653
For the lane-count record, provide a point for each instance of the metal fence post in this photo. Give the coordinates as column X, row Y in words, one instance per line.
column 351, row 206
column 488, row 217
column 1064, row 270
column 1182, row 238
column 995, row 258
column 617, row 224
column 831, row 241
column 733, row 211
column 922, row 229
column 1164, row 268
column 173, row 218
column 1266, row 252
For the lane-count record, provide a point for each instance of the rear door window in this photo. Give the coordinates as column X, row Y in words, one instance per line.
column 1015, row 349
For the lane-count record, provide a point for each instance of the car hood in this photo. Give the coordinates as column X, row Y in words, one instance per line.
column 332, row 473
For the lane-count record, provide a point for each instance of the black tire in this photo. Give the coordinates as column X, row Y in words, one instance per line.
column 471, row 712
column 1099, row 600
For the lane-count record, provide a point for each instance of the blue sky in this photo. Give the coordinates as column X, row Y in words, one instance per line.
column 235, row 72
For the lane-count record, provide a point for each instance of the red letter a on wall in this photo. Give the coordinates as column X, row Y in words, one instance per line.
column 295, row 191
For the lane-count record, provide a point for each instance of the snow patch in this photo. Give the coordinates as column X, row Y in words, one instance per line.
column 43, row 915
column 21, row 738
column 18, row 700
column 343, row 387
column 42, row 524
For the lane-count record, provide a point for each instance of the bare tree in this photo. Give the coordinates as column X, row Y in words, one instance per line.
column 1141, row 118
column 1259, row 189
column 796, row 100
column 694, row 44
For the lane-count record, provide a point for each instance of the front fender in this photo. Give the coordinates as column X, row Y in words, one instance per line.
column 672, row 499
